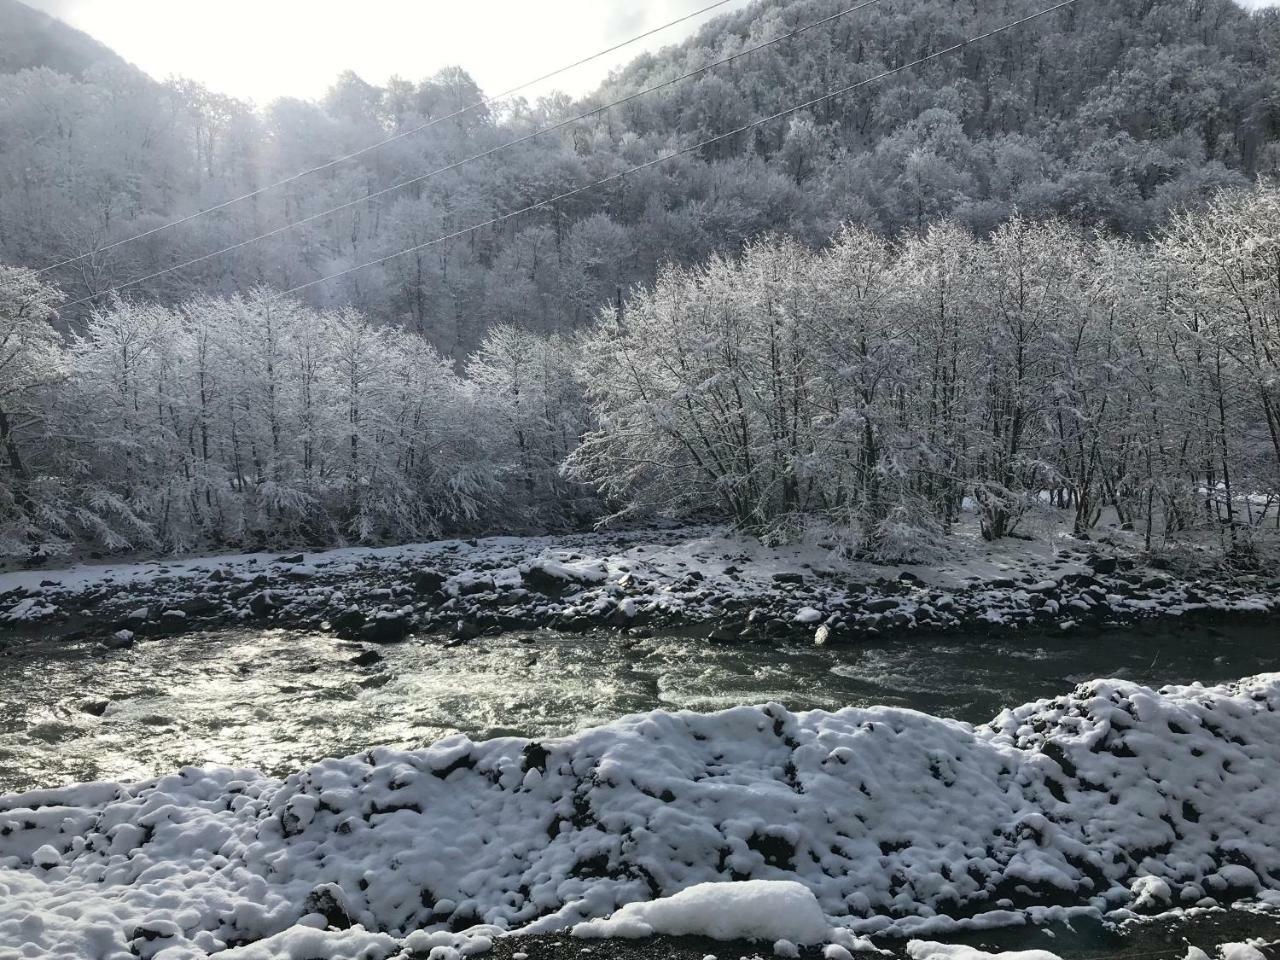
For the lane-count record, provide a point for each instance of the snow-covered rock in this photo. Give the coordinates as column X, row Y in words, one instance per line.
column 929, row 950
column 890, row 819
column 642, row 578
column 778, row 910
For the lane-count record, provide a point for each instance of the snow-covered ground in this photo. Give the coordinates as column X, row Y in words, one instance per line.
column 928, row 950
column 1113, row 800
column 640, row 579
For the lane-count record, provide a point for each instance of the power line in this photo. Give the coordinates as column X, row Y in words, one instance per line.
column 560, row 125
column 488, row 101
column 684, row 151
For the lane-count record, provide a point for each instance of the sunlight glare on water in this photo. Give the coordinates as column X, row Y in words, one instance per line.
column 276, row 700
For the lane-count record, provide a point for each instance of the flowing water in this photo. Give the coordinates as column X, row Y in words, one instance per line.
column 278, row 700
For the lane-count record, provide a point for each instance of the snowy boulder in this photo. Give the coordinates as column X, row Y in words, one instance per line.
column 471, row 584
column 552, row 578
column 928, row 950
column 769, row 910
column 262, row 604
column 120, row 640
column 1241, row 951
column 1150, row 894
column 328, row 901
column 1058, row 802
column 46, row 858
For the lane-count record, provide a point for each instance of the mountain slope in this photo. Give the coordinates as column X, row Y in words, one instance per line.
column 30, row 38
column 1109, row 112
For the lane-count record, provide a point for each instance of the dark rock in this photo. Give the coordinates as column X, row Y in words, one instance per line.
column 883, row 605
column 1102, row 564
column 262, row 603
column 534, row 757
column 427, row 582
column 387, row 628
column 348, row 621
column 788, row 578
column 329, row 901
column 366, row 659
column 120, row 640
column 551, row 583
column 95, row 708
column 198, row 607
column 1081, row 580
column 466, row 630
column 292, row 558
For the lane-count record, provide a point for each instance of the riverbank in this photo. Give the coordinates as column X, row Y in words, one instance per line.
column 847, row 830
column 733, row 588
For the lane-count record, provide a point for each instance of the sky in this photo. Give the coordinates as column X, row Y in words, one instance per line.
column 264, row 49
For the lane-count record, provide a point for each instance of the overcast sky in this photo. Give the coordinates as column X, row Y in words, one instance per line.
column 263, row 49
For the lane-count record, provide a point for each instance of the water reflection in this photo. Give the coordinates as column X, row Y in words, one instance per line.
column 278, row 700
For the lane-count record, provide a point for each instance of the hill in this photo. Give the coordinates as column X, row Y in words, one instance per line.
column 1107, row 113
column 30, row 38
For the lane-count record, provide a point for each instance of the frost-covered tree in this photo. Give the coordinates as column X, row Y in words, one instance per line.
column 31, row 364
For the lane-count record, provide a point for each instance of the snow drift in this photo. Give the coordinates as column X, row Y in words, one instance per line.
column 1113, row 797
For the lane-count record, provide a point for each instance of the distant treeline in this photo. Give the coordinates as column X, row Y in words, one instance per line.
column 870, row 386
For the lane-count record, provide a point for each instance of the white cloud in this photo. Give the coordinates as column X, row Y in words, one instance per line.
column 262, row 49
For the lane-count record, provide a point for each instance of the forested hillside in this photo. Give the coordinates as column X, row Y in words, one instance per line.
column 865, row 315
column 29, row 38
column 1110, row 113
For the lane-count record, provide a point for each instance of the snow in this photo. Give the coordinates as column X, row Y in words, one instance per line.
column 631, row 579
column 747, row 910
column 891, row 821
column 1240, row 951
column 928, row 950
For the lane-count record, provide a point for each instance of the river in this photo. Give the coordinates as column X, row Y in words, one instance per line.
column 278, row 700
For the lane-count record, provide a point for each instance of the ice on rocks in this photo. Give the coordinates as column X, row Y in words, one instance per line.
column 869, row 821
